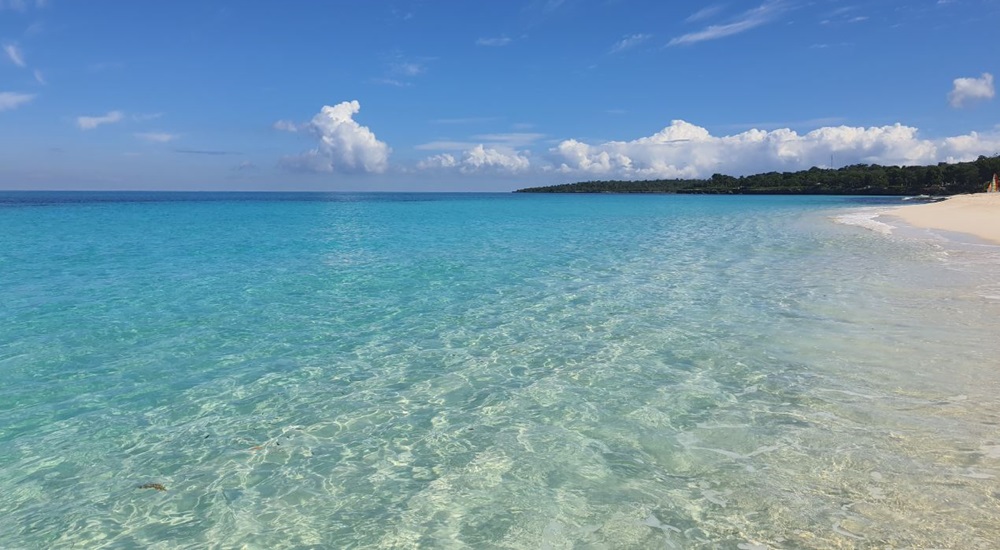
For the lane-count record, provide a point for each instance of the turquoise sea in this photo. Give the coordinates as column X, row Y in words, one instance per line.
column 492, row 371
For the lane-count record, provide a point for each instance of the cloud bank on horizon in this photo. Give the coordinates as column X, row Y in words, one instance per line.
column 683, row 150
column 679, row 150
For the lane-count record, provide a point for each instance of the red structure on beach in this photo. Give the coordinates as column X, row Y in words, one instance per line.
column 993, row 186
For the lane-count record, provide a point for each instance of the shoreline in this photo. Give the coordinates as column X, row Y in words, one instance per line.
column 977, row 215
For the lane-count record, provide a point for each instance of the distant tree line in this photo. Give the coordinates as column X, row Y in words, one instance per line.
column 857, row 179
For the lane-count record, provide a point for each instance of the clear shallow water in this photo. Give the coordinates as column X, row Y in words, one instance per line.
column 501, row 371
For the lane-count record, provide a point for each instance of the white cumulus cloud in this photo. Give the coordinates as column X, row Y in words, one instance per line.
column 13, row 100
column 967, row 90
column 479, row 159
column 15, row 54
column 444, row 160
column 344, row 145
column 285, row 126
column 684, row 150
column 91, row 122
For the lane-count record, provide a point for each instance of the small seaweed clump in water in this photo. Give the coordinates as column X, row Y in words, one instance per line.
column 157, row 486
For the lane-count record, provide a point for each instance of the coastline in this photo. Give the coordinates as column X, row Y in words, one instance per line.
column 977, row 214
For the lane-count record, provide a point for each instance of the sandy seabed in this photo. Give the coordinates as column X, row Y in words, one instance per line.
column 977, row 214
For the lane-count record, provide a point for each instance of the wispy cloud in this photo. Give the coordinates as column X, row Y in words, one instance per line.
column 968, row 90
column 401, row 15
column 765, row 13
column 39, row 78
column 843, row 10
column 399, row 71
column 34, row 29
column 630, row 42
column 495, row 42
column 408, row 68
column 13, row 100
column 510, row 139
column 156, row 137
column 15, row 5
column 445, row 145
column 91, row 122
column 824, row 46
column 143, row 117
column 549, row 6
column 793, row 124
column 536, row 12
column 705, row 13
column 21, row 5
column 843, row 15
column 15, row 54
column 503, row 141
column 391, row 82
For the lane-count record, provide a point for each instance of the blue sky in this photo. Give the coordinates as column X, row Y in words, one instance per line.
column 483, row 95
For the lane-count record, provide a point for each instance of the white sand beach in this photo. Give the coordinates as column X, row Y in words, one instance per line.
column 977, row 214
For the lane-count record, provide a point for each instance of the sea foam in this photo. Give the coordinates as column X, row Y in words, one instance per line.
column 866, row 218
